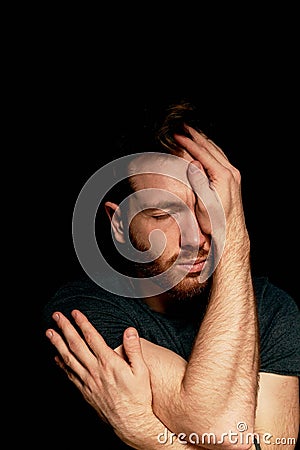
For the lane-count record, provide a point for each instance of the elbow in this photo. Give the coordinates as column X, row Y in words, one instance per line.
column 233, row 434
column 227, row 428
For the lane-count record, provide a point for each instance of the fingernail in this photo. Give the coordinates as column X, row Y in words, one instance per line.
column 193, row 168
column 131, row 333
column 49, row 334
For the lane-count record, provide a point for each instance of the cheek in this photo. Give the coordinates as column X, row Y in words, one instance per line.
column 165, row 236
column 139, row 233
column 168, row 238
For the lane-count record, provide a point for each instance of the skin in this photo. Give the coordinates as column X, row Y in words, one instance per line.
column 153, row 387
column 170, row 207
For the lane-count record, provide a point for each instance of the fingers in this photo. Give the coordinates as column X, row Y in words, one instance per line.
column 211, row 157
column 200, row 185
column 84, row 355
column 73, row 348
column 73, row 341
column 196, row 173
column 202, row 139
column 66, row 359
column 133, row 350
column 92, row 337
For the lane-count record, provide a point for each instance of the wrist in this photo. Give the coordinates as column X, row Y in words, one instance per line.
column 142, row 432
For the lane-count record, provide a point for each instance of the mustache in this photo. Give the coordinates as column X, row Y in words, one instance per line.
column 157, row 266
column 185, row 256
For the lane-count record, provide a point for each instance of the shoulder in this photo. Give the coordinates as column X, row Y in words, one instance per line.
column 279, row 324
column 85, row 295
column 271, row 299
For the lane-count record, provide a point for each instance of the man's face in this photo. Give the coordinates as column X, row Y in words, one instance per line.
column 162, row 221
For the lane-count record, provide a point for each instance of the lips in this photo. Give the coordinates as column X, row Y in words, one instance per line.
column 193, row 266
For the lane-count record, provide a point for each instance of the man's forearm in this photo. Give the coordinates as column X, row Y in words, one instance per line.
column 219, row 387
column 223, row 367
column 152, row 434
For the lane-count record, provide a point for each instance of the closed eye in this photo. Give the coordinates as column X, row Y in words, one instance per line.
column 161, row 216
column 157, row 214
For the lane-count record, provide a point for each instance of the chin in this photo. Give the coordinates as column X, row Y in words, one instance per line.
column 188, row 288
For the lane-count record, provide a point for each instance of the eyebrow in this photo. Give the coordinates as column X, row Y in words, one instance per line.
column 163, row 205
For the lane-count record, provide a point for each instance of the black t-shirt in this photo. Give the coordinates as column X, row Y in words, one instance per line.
column 74, row 420
column 278, row 315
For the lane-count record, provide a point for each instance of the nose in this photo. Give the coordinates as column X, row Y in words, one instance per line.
column 191, row 234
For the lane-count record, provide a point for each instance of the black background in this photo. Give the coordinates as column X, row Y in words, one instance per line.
column 79, row 86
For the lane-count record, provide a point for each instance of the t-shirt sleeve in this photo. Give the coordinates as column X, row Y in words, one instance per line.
column 110, row 316
column 279, row 323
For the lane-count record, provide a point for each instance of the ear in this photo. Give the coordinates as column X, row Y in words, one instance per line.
column 114, row 213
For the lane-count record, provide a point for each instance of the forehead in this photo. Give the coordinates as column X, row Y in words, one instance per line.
column 159, row 170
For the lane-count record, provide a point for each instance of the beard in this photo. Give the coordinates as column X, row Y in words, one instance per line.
column 188, row 287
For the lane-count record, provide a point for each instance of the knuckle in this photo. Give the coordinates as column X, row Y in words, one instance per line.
column 95, row 374
column 88, row 337
column 134, row 349
column 67, row 360
column 73, row 345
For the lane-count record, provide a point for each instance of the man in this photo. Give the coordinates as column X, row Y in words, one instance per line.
column 185, row 347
